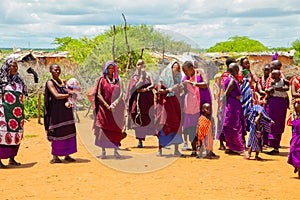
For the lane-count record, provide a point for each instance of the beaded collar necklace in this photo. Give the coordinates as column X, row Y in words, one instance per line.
column 59, row 84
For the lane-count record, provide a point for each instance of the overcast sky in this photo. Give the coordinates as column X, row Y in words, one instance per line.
column 35, row 23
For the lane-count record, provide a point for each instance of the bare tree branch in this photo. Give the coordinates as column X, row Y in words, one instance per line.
column 113, row 45
column 128, row 47
column 142, row 53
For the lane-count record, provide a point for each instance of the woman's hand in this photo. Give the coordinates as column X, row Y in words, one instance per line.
column 258, row 134
column 162, row 91
column 142, row 90
column 187, row 82
column 112, row 107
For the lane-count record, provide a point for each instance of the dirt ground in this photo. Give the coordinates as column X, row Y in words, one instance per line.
column 142, row 175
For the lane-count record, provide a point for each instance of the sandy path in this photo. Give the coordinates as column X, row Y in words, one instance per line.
column 231, row 177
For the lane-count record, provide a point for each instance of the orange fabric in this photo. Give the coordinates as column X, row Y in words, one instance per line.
column 203, row 128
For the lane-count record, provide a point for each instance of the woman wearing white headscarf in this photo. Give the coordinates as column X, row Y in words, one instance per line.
column 168, row 108
column 12, row 92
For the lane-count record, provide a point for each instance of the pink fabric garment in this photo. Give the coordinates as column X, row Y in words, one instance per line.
column 192, row 99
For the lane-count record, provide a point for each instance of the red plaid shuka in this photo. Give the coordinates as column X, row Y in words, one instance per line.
column 203, row 127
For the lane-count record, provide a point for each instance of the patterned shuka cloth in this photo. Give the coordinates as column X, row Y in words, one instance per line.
column 265, row 120
column 12, row 90
column 204, row 124
column 11, row 114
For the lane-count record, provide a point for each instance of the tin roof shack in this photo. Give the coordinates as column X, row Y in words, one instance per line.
column 210, row 67
column 61, row 58
column 40, row 61
column 259, row 60
column 43, row 58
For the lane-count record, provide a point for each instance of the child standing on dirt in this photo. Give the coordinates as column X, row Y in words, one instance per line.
column 205, row 134
column 259, row 122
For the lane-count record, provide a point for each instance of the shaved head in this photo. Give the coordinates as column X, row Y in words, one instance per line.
column 276, row 64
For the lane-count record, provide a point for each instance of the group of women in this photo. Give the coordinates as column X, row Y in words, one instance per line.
column 239, row 99
column 168, row 108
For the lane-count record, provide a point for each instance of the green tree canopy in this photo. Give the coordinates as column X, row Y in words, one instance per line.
column 91, row 53
column 238, row 44
column 296, row 45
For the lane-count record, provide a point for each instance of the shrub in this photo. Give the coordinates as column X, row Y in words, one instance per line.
column 31, row 107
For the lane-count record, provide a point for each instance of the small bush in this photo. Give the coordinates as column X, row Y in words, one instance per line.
column 31, row 107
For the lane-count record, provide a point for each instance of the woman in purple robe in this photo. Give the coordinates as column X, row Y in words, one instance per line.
column 294, row 155
column 276, row 107
column 110, row 107
column 221, row 107
column 234, row 121
column 139, row 101
column 12, row 91
column 58, row 117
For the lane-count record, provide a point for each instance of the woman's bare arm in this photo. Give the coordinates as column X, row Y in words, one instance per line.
column 54, row 92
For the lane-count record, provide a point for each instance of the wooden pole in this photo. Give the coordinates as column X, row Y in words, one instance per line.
column 128, row 47
column 113, row 45
column 39, row 108
column 163, row 56
column 142, row 53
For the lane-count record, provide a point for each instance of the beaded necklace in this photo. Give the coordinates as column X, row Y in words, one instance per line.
column 111, row 82
column 59, row 84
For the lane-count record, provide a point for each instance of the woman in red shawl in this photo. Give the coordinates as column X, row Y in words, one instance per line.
column 139, row 100
column 109, row 108
column 168, row 108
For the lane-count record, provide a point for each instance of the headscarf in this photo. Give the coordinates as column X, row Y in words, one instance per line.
column 105, row 69
column 5, row 73
column 275, row 56
column 167, row 77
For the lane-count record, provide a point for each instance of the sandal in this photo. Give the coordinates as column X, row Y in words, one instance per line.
column 55, row 160
column 258, row 158
column 194, row 154
column 230, row 152
column 140, row 145
column 159, row 153
column 222, row 148
column 69, row 159
column 117, row 155
column 2, row 166
column 211, row 155
column 13, row 162
column 273, row 152
column 177, row 153
column 295, row 170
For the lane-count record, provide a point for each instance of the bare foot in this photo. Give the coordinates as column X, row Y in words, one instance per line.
column 246, row 157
